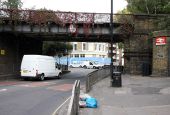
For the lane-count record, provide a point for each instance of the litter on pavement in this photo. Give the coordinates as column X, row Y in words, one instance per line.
column 86, row 101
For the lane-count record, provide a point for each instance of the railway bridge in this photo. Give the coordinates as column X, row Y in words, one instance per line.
column 23, row 32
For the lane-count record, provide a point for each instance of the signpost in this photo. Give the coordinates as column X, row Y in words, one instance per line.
column 111, row 39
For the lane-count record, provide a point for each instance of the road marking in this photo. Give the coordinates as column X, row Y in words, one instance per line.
column 8, row 83
column 63, row 87
column 25, row 85
column 37, row 84
column 120, row 92
column 55, row 112
column 2, row 90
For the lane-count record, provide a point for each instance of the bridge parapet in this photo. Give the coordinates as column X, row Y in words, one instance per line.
column 56, row 23
column 43, row 16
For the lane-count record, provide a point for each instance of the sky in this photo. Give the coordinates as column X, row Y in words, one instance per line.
column 94, row 6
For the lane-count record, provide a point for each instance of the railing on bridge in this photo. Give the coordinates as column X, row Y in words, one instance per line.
column 77, row 23
column 58, row 17
column 43, row 16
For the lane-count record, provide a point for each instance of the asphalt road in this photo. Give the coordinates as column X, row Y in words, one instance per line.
column 19, row 97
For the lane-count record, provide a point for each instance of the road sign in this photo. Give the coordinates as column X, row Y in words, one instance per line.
column 72, row 28
column 161, row 40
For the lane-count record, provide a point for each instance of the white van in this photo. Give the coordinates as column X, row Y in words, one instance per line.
column 75, row 64
column 92, row 64
column 87, row 64
column 39, row 66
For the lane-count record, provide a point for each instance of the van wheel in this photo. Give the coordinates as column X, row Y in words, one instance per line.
column 85, row 66
column 71, row 66
column 42, row 77
column 26, row 78
column 59, row 76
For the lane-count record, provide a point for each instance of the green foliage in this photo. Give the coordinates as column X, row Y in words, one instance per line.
column 149, row 6
column 124, row 11
column 152, row 7
column 56, row 48
column 12, row 4
column 120, row 45
column 166, row 8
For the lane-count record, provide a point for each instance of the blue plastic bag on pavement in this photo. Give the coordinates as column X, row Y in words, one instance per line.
column 91, row 102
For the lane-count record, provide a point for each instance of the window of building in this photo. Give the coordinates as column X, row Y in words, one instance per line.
column 76, row 55
column 82, row 55
column 102, row 47
column 99, row 47
column 95, row 47
column 75, row 47
column 85, row 46
column 94, row 55
column 71, row 55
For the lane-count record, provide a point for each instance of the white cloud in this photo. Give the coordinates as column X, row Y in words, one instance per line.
column 96, row 6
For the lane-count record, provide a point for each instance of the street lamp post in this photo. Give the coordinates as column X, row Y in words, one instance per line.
column 116, row 80
column 111, row 38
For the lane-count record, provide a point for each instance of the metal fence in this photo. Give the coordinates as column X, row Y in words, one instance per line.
column 73, row 108
column 95, row 76
column 73, row 105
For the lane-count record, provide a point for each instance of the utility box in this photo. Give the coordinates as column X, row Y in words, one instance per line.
column 146, row 69
column 116, row 79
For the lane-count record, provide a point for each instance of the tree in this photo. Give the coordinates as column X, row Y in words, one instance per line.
column 149, row 6
column 12, row 4
column 56, row 48
column 120, row 45
column 152, row 7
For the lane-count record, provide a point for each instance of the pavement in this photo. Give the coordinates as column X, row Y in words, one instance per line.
column 139, row 95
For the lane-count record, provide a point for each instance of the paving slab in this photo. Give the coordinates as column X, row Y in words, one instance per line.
column 138, row 96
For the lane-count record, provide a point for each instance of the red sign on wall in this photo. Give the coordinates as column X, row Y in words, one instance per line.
column 161, row 40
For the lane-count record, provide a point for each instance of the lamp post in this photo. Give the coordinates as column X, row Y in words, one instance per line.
column 116, row 80
column 111, row 39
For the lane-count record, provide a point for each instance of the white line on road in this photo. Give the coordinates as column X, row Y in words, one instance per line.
column 55, row 112
column 2, row 90
column 25, row 85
